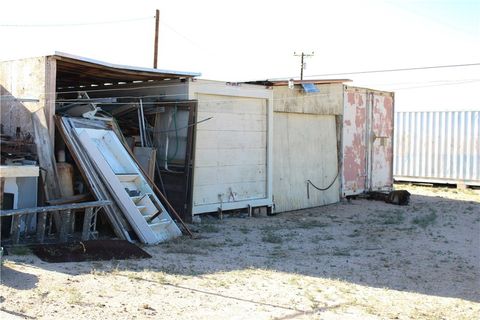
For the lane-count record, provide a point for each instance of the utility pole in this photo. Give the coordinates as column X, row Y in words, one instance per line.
column 155, row 47
column 302, row 63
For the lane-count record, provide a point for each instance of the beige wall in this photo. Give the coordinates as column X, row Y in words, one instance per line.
column 26, row 79
column 20, row 79
column 329, row 101
column 304, row 148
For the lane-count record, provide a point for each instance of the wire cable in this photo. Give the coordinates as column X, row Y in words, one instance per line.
column 72, row 24
column 389, row 70
column 309, row 182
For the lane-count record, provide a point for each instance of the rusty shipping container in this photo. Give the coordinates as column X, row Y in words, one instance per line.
column 330, row 141
column 438, row 147
column 367, row 143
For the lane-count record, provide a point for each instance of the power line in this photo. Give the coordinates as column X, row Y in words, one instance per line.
column 437, row 85
column 389, row 70
column 71, row 24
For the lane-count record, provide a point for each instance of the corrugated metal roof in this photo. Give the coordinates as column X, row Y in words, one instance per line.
column 60, row 55
column 76, row 71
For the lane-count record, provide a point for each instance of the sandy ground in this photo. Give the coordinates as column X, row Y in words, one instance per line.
column 357, row 260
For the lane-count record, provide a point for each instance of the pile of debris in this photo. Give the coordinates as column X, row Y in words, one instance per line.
column 134, row 207
column 112, row 172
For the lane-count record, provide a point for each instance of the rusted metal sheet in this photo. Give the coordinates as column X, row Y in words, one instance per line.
column 354, row 142
column 381, row 140
column 367, row 141
column 438, row 147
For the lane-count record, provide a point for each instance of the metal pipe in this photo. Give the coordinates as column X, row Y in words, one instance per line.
column 141, row 122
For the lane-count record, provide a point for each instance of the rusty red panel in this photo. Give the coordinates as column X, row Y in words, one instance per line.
column 367, row 141
column 381, row 175
column 354, row 146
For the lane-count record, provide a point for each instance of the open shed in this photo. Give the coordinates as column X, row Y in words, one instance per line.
column 206, row 144
column 33, row 96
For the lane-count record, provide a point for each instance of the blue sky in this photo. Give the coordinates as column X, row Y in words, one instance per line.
column 461, row 15
column 245, row 40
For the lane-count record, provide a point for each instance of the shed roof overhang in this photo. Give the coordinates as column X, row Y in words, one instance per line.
column 75, row 71
column 273, row 83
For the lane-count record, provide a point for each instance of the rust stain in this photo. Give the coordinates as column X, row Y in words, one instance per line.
column 351, row 98
column 388, row 104
column 360, row 100
column 382, row 127
column 360, row 117
column 354, row 161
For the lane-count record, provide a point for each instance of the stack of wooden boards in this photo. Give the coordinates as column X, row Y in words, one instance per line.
column 113, row 174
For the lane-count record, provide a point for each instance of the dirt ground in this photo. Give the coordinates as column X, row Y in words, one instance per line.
column 357, row 260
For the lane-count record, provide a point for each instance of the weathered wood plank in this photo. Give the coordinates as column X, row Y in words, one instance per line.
column 73, row 199
column 65, row 227
column 72, row 206
column 87, row 219
column 46, row 157
column 16, row 229
column 50, row 83
column 19, row 171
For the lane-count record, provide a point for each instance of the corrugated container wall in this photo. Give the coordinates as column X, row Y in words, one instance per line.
column 437, row 147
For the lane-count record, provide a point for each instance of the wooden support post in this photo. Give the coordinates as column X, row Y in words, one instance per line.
column 64, row 229
column 46, row 159
column 2, row 184
column 155, row 45
column 16, row 229
column 87, row 220
column 41, row 226
column 50, row 88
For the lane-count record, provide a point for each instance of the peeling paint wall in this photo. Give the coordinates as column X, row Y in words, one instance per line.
column 382, row 142
column 367, row 140
column 354, row 144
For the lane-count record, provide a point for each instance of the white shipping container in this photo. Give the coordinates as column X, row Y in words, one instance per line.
column 437, row 147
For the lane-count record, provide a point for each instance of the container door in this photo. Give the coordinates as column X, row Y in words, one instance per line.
column 354, row 142
column 380, row 162
column 230, row 153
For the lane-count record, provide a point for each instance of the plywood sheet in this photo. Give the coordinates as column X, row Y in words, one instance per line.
column 305, row 148
column 231, row 150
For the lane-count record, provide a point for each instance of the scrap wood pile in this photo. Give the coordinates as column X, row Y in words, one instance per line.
column 18, row 149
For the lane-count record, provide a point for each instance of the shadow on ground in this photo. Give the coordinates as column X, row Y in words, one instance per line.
column 430, row 247
column 17, row 279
